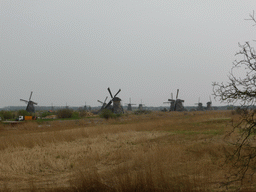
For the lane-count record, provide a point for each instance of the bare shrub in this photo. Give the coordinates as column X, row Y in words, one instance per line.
column 64, row 113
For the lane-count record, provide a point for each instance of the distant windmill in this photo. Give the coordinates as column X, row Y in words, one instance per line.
column 30, row 104
column 103, row 103
column 178, row 105
column 199, row 105
column 209, row 104
column 171, row 102
column 129, row 107
column 117, row 107
column 52, row 108
column 85, row 107
column 141, row 106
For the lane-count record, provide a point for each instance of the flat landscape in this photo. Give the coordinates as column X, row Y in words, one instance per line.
column 159, row 151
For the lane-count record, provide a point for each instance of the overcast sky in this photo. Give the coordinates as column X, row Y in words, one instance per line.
column 72, row 51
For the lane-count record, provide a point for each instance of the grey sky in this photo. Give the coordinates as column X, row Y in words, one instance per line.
column 72, row 51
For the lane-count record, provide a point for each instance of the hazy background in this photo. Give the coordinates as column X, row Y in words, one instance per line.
column 72, row 51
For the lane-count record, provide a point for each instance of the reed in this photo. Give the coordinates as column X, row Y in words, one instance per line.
column 152, row 152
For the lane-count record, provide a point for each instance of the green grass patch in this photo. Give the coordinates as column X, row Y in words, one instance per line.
column 184, row 132
column 209, row 132
column 213, row 132
column 217, row 120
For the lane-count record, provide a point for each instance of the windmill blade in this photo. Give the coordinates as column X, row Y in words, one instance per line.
column 117, row 92
column 30, row 95
column 109, row 103
column 210, row 98
column 171, row 100
column 171, row 96
column 130, row 100
column 24, row 100
column 100, row 101
column 177, row 94
column 106, row 99
column 110, row 93
column 32, row 102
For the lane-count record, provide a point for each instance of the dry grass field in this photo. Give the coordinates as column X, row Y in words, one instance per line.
column 159, row 151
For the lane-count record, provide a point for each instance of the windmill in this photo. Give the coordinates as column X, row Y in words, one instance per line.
column 52, row 108
column 141, row 106
column 117, row 107
column 85, row 107
column 199, row 105
column 171, row 102
column 30, row 104
column 129, row 107
column 103, row 103
column 178, row 105
column 209, row 104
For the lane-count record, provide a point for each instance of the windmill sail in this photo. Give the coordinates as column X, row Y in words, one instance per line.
column 30, row 104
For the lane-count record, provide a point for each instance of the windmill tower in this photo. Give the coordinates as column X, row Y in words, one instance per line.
column 178, row 105
column 30, row 104
column 85, row 107
column 199, row 105
column 117, row 107
column 171, row 102
column 129, row 105
column 52, row 108
column 209, row 104
column 140, row 108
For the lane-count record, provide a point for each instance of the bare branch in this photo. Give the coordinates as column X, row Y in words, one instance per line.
column 252, row 18
column 241, row 88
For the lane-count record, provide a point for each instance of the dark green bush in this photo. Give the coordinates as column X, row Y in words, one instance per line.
column 106, row 113
column 46, row 113
column 139, row 112
column 75, row 114
column 82, row 113
column 1, row 117
column 64, row 113
column 7, row 115
column 23, row 113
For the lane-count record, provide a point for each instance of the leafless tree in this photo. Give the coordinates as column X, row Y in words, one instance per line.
column 241, row 89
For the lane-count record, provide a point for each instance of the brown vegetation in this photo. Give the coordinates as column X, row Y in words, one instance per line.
column 153, row 152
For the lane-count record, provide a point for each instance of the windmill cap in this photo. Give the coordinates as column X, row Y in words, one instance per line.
column 116, row 99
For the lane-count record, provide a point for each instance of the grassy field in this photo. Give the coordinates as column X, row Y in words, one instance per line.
column 159, row 151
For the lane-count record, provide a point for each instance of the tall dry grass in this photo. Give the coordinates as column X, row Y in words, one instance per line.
column 153, row 152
